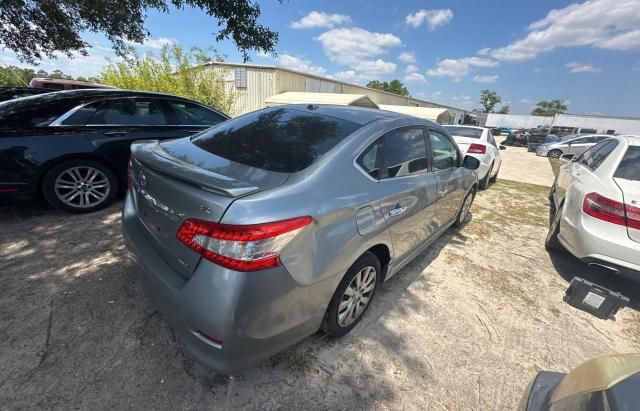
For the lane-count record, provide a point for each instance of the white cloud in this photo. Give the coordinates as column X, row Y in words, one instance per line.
column 575, row 67
column 158, row 43
column 359, row 49
column 407, row 57
column 300, row 64
column 525, row 101
column 480, row 62
column 607, row 24
column 484, row 51
column 320, row 19
column 347, row 75
column 433, row 18
column 458, row 68
column 414, row 78
column 462, row 98
column 485, row 78
column 411, row 68
column 437, row 94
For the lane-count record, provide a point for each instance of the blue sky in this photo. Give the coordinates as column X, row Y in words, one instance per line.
column 587, row 53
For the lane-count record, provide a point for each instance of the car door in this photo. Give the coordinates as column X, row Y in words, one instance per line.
column 118, row 122
column 408, row 190
column 446, row 162
column 580, row 145
column 192, row 117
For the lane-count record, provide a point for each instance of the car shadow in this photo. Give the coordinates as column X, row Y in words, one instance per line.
column 568, row 266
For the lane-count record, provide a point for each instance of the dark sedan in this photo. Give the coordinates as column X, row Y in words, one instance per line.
column 9, row 93
column 73, row 146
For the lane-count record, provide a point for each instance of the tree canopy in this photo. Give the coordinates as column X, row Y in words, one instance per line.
column 504, row 109
column 175, row 72
column 20, row 77
column 37, row 28
column 394, row 86
column 549, row 108
column 488, row 100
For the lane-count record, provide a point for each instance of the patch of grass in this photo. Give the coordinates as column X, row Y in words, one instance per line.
column 555, row 165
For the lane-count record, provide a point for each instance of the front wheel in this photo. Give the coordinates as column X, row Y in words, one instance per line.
column 80, row 186
column 554, row 153
column 464, row 209
column 353, row 296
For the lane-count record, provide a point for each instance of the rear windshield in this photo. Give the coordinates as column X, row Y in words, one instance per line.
column 464, row 131
column 629, row 167
column 275, row 139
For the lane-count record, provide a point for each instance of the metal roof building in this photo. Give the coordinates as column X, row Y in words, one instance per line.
column 254, row 84
column 297, row 97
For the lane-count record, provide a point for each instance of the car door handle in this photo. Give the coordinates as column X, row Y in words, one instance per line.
column 115, row 133
column 397, row 211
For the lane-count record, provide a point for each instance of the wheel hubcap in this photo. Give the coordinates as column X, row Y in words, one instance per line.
column 356, row 296
column 82, row 187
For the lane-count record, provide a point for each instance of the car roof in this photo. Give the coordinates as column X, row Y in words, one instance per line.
column 633, row 140
column 462, row 125
column 358, row 115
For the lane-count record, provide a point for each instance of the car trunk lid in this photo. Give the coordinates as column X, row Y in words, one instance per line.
column 175, row 180
column 631, row 194
column 465, row 142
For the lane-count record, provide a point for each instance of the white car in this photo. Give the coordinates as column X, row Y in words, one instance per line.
column 478, row 142
column 595, row 206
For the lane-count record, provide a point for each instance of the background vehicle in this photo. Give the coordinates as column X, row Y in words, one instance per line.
column 73, row 146
column 9, row 93
column 64, row 84
column 246, row 251
column 575, row 145
column 605, row 383
column 479, row 142
column 595, row 206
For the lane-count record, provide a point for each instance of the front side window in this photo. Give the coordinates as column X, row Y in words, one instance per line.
column 195, row 115
column 405, row 153
column 130, row 112
column 445, row 154
column 276, row 139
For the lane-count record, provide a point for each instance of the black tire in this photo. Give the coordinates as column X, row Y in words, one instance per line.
column 552, row 243
column 494, row 178
column 460, row 218
column 555, row 153
column 331, row 324
column 97, row 197
column 484, row 183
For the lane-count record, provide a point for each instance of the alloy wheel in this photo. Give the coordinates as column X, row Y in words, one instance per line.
column 466, row 206
column 82, row 187
column 357, row 296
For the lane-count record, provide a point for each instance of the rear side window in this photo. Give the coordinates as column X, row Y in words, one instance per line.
column 405, row 152
column 276, row 139
column 130, row 112
column 595, row 156
column 629, row 167
column 195, row 115
column 34, row 111
column 370, row 159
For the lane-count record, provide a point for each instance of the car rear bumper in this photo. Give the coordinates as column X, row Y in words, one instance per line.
column 255, row 315
column 594, row 242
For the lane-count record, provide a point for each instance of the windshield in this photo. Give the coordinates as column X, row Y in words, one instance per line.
column 276, row 139
column 464, row 131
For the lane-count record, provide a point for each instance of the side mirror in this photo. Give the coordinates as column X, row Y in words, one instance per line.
column 471, row 163
column 567, row 158
column 502, row 147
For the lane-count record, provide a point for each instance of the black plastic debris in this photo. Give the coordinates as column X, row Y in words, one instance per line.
column 594, row 299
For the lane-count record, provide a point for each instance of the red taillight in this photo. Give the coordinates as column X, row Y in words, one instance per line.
column 477, row 149
column 611, row 211
column 240, row 247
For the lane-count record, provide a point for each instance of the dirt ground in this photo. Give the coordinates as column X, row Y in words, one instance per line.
column 465, row 326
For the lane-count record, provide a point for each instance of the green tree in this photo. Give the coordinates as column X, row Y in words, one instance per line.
column 174, row 71
column 33, row 28
column 504, row 109
column 549, row 108
column 488, row 100
column 394, row 86
column 20, row 77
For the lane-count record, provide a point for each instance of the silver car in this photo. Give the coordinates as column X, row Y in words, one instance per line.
column 573, row 145
column 595, row 204
column 259, row 231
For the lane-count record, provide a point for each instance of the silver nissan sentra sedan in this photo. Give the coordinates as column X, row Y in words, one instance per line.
column 261, row 230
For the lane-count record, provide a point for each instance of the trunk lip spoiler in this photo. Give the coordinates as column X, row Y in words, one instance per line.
column 144, row 151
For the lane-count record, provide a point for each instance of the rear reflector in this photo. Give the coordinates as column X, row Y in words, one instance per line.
column 611, row 211
column 477, row 149
column 241, row 247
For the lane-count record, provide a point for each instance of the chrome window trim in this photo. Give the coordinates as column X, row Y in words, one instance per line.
column 58, row 122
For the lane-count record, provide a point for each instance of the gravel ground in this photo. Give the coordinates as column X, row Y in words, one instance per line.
column 465, row 326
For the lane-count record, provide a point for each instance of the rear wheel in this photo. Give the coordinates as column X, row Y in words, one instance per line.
column 353, row 296
column 494, row 178
column 80, row 186
column 552, row 242
column 484, row 183
column 554, row 153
